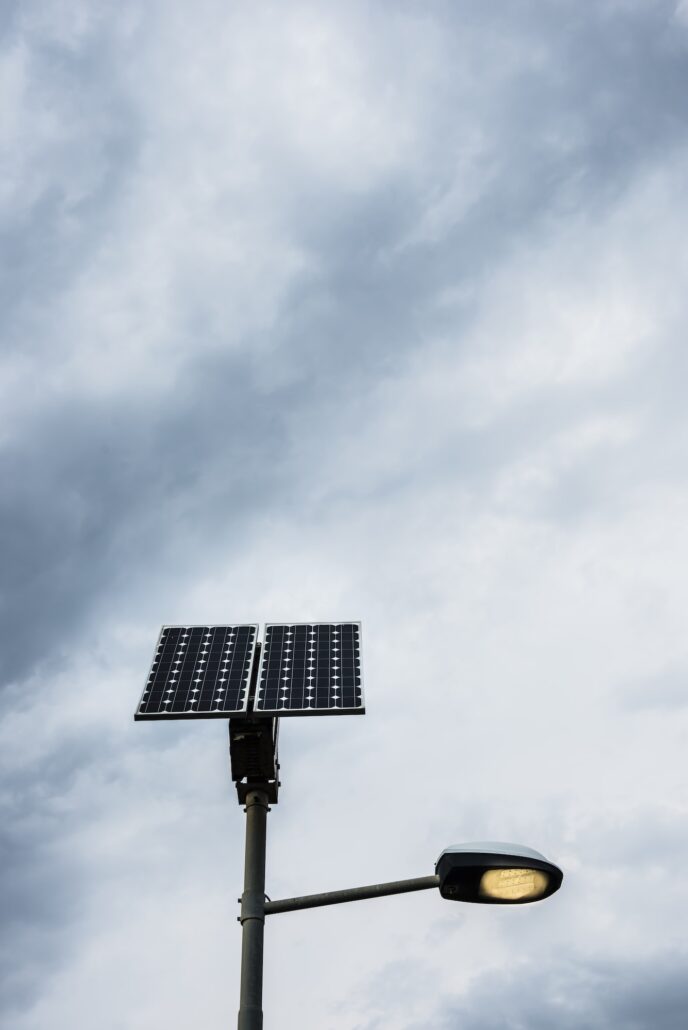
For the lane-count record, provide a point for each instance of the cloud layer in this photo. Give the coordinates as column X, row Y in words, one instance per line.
column 347, row 311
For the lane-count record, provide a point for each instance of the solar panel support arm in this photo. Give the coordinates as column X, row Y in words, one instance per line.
column 374, row 890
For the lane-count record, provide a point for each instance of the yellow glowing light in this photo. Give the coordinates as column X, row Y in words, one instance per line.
column 513, row 884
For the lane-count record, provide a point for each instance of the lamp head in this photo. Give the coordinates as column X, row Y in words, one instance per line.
column 492, row 873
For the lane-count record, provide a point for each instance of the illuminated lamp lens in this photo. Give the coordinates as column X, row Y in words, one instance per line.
column 513, row 884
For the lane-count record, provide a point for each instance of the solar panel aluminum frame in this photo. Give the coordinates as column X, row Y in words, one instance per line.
column 234, row 713
column 300, row 712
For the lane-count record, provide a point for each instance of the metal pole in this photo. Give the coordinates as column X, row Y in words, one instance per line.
column 375, row 890
column 253, row 913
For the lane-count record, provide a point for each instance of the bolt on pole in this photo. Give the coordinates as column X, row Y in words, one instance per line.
column 253, row 913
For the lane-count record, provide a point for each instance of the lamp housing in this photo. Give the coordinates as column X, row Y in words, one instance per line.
column 495, row 873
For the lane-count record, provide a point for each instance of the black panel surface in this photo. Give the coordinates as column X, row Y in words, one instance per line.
column 199, row 671
column 310, row 668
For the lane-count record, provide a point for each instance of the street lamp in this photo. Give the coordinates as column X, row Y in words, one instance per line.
column 489, row 872
column 302, row 669
column 493, row 873
column 486, row 872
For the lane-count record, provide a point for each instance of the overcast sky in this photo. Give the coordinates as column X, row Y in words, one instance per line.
column 363, row 311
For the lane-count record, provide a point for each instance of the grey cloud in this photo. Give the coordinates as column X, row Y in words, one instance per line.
column 82, row 479
column 654, row 839
column 667, row 690
column 43, row 889
column 102, row 498
column 68, row 177
column 94, row 489
column 573, row 993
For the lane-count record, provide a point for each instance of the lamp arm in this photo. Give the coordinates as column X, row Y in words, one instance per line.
column 374, row 890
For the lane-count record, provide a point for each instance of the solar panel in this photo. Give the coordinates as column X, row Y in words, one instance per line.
column 199, row 672
column 310, row 668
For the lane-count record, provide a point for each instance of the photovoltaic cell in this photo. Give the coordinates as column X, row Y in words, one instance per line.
column 310, row 668
column 199, row 672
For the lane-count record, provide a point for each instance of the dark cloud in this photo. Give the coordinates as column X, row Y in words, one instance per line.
column 573, row 993
column 67, row 177
column 96, row 490
column 567, row 127
column 43, row 886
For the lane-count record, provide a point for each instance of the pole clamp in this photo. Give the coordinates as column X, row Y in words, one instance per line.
column 252, row 906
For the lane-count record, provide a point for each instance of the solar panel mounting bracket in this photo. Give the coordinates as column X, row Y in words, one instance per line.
column 253, row 756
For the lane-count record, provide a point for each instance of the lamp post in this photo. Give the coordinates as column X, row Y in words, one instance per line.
column 252, row 916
